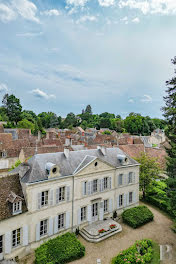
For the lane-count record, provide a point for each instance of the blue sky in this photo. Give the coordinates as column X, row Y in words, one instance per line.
column 60, row 55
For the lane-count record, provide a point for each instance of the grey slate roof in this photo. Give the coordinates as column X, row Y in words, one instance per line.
column 68, row 166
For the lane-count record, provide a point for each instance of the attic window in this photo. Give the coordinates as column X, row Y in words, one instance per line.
column 17, row 207
column 96, row 163
column 54, row 170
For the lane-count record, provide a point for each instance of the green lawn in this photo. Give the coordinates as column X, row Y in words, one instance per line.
column 156, row 254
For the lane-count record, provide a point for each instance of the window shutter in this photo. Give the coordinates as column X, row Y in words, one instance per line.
column 25, row 235
column 134, row 197
column 127, row 197
column 79, row 216
column 125, row 178
column 89, row 188
column 110, row 206
column 68, row 193
column 110, row 183
column 8, row 243
column 55, row 224
column 101, row 211
column 134, row 177
column 51, row 197
column 118, row 202
column 89, row 213
column 124, row 200
column 39, row 200
column 83, row 191
column 57, row 196
column 67, row 224
column 50, row 231
column 37, row 232
column 99, row 187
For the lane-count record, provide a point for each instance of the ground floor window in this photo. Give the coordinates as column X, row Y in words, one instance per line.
column 16, row 237
column 61, row 221
column 43, row 227
column 105, row 206
column 1, row 244
column 120, row 200
column 130, row 197
column 83, row 214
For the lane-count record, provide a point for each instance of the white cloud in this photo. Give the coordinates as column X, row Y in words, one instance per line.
column 39, row 93
column 29, row 34
column 152, row 6
column 6, row 13
column 3, row 88
column 26, row 9
column 124, row 19
column 136, row 20
column 106, row 3
column 130, row 100
column 86, row 18
column 77, row 2
column 51, row 12
column 146, row 98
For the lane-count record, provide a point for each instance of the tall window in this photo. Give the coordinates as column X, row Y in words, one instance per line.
column 130, row 197
column 44, row 198
column 105, row 181
column 83, row 214
column 1, row 244
column 43, row 227
column 61, row 221
column 120, row 200
column 120, row 179
column 85, row 188
column 61, row 194
column 105, row 206
column 17, row 207
column 130, row 177
column 95, row 187
column 16, row 237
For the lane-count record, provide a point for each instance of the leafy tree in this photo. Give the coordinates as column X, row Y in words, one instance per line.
column 134, row 124
column 105, row 122
column 13, row 107
column 70, row 120
column 29, row 115
column 149, row 170
column 88, row 109
column 26, row 124
column 107, row 115
column 170, row 115
column 117, row 124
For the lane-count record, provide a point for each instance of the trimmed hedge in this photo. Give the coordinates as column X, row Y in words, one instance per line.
column 141, row 252
column 137, row 216
column 60, row 250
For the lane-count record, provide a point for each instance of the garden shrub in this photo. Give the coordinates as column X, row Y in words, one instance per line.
column 137, row 216
column 60, row 250
column 141, row 252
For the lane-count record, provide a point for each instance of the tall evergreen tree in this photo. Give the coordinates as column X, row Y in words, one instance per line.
column 170, row 115
column 13, row 107
column 88, row 109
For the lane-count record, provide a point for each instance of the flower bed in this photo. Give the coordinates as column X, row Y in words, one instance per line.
column 112, row 226
column 61, row 249
column 141, row 253
column 137, row 216
column 101, row 231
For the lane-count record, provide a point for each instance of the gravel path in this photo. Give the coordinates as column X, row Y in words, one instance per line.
column 158, row 230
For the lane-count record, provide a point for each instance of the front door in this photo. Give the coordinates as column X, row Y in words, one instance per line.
column 1, row 247
column 94, row 212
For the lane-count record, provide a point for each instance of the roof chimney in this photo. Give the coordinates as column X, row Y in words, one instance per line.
column 66, row 153
column 102, row 149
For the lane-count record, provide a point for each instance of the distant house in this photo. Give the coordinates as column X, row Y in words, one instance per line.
column 57, row 192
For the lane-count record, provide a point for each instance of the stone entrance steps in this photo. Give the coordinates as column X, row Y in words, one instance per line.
column 99, row 237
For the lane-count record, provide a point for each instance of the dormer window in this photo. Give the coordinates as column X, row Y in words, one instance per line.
column 17, row 207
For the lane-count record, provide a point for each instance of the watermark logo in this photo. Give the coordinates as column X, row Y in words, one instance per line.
column 166, row 252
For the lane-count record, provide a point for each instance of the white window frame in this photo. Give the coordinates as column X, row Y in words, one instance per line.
column 85, row 188
column 95, row 186
column 120, row 183
column 43, row 227
column 105, row 183
column 17, row 207
column 83, row 214
column 130, row 197
column 62, row 194
column 130, row 178
column 120, row 200
column 44, row 198
column 61, row 221
column 105, row 206
column 16, row 237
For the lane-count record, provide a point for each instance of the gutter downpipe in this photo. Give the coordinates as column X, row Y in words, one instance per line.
column 73, row 196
